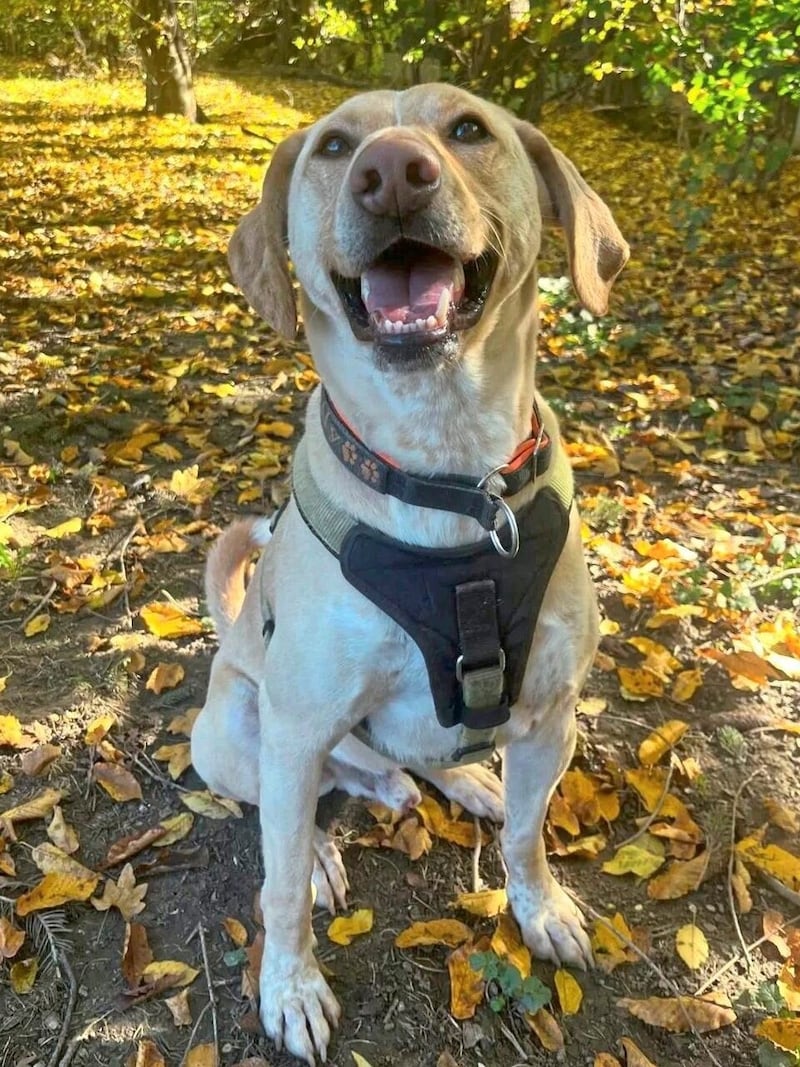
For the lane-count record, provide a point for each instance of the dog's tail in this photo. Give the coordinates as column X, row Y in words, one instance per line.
column 226, row 569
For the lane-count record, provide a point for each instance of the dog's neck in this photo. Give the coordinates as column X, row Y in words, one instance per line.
column 465, row 418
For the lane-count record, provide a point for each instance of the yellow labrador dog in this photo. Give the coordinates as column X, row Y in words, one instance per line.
column 423, row 599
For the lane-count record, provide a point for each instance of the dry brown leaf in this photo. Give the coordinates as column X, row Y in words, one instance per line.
column 179, row 1008
column 132, row 845
column 634, row 1057
column 6, row 782
column 680, row 1014
column 449, row 932
column 117, row 781
column 136, row 954
column 61, row 833
column 55, row 889
column 213, row 807
column 37, row 760
column 740, row 883
column 680, row 878
column 124, row 894
column 411, row 838
column 235, row 931
column 147, row 1054
column 781, row 816
column 177, row 757
column 605, row 1059
column 345, row 927
column 7, row 865
column 165, row 676
column 444, row 1059
column 466, row 985
column 11, row 939
column 544, row 1025
column 23, row 975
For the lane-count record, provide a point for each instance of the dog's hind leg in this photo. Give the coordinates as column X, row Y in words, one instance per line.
column 362, row 772
column 225, row 740
column 475, row 787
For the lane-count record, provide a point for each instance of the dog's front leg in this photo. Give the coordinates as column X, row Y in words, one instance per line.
column 551, row 925
column 298, row 1008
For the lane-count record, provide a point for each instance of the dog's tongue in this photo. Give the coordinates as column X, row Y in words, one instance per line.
column 407, row 288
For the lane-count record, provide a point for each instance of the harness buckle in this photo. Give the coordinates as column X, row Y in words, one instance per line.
column 482, row 687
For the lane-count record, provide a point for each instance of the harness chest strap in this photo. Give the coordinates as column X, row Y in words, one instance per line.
column 480, row 691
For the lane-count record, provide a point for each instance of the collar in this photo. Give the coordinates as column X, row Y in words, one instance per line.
column 456, row 493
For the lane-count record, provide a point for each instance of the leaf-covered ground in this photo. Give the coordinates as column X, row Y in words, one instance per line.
column 143, row 406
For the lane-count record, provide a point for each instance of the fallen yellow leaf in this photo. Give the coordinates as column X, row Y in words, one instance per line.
column 99, row 727
column 50, row 859
column 634, row 1057
column 177, row 827
column 213, row 807
column 168, row 621
column 487, row 903
column 124, row 895
column 686, row 685
column 639, row 683
column 61, row 833
column 772, row 859
column 660, row 741
column 236, row 931
column 449, row 932
column 175, row 973
column 147, row 1054
column 570, row 994
column 178, row 758
column 642, row 858
column 466, row 985
column 507, row 943
column 785, row 1033
column 165, row 676
column 692, row 946
column 202, row 1056
column 680, row 878
column 64, row 529
column 11, row 733
column 179, row 1009
column 11, row 939
column 346, row 927
column 23, row 975
column 609, row 949
column 55, row 889
column 36, row 808
column 37, row 625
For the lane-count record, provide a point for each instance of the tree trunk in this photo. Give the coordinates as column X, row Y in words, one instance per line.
column 165, row 58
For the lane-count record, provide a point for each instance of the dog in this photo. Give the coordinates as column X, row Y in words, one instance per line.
column 380, row 632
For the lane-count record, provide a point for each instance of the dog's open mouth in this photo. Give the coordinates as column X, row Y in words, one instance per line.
column 415, row 294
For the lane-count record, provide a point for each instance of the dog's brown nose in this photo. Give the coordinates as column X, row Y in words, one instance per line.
column 395, row 175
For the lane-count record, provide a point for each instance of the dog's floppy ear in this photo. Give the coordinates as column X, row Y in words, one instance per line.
column 597, row 250
column 258, row 253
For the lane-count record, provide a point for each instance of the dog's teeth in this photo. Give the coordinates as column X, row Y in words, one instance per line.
column 420, row 324
column 431, row 322
column 444, row 305
column 364, row 288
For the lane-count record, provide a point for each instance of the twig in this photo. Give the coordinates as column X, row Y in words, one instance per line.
column 212, row 996
column 654, row 814
column 195, row 1028
column 626, row 941
column 476, row 857
column 735, row 959
column 158, row 777
column 512, row 1039
column 79, row 1038
column 123, row 549
column 790, row 572
column 72, row 996
column 48, row 596
column 779, row 888
column 731, row 860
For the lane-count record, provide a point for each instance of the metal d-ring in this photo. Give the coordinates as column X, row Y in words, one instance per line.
column 511, row 519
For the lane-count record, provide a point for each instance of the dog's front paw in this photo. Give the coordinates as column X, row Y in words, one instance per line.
column 329, row 878
column 298, row 1010
column 551, row 924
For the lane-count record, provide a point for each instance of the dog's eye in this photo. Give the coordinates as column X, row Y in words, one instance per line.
column 469, row 131
column 334, row 146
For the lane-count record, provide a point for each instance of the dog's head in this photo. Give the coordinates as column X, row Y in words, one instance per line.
column 411, row 218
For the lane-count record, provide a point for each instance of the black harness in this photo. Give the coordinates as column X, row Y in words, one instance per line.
column 471, row 611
